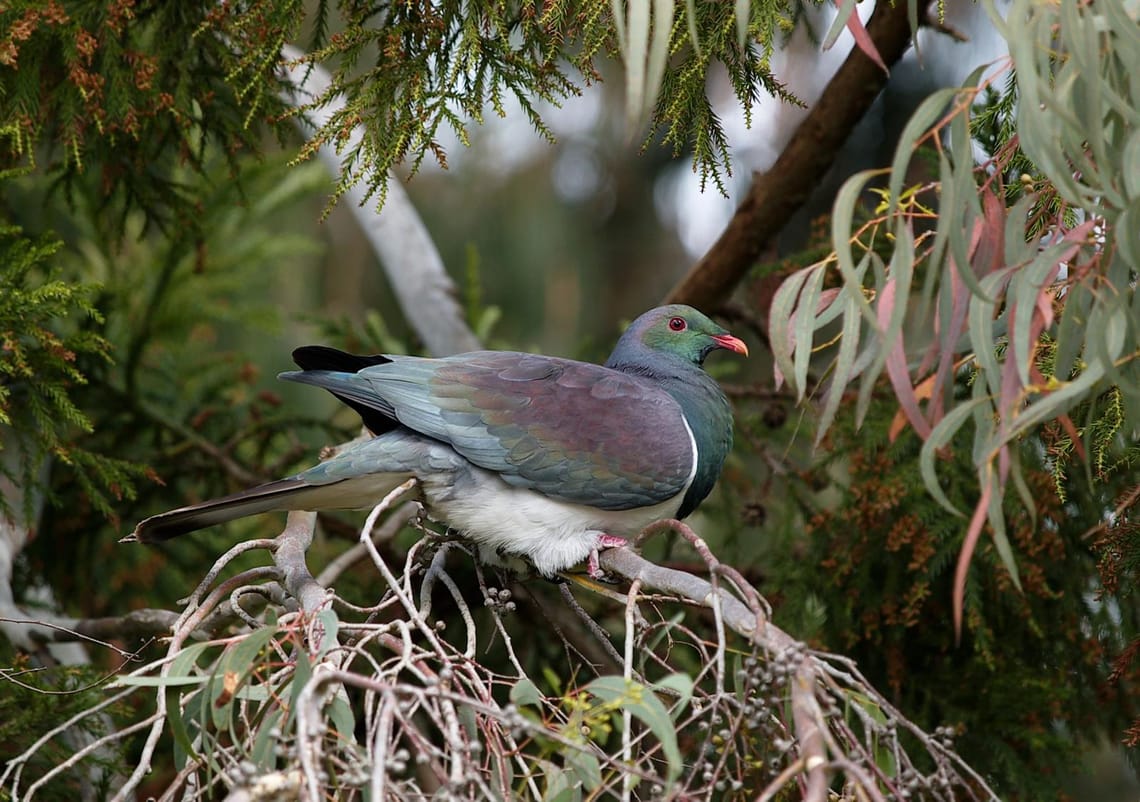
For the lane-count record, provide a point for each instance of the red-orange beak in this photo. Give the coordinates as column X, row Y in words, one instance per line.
column 730, row 343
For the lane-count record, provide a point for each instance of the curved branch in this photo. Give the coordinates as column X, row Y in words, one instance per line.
column 289, row 552
column 778, row 193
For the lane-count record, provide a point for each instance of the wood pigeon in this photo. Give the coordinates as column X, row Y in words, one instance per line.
column 547, row 458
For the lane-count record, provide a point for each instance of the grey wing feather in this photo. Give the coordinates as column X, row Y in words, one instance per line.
column 571, row 430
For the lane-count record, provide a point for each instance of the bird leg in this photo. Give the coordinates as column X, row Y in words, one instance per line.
column 604, row 541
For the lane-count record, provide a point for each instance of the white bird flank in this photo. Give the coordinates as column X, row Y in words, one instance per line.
column 554, row 535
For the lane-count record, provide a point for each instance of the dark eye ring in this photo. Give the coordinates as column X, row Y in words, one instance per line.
column 677, row 323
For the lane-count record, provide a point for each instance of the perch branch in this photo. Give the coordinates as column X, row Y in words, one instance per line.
column 289, row 555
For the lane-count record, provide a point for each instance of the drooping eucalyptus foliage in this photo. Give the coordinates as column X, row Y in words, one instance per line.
column 1002, row 295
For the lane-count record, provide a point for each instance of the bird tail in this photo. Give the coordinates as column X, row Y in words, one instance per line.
column 283, row 494
column 327, row 367
column 321, row 357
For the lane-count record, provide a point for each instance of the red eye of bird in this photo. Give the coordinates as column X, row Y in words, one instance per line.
column 677, row 323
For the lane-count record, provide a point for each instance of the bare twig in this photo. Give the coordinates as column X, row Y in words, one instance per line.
column 427, row 719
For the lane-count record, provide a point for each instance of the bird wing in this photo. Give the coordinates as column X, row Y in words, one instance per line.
column 571, row 430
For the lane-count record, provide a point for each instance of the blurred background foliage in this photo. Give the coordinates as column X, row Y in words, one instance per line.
column 162, row 252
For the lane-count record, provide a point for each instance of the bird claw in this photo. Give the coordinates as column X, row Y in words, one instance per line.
column 593, row 570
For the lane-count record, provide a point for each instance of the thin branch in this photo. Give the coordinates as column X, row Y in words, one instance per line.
column 135, row 625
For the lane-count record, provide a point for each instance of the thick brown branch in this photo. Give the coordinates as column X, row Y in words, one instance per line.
column 777, row 194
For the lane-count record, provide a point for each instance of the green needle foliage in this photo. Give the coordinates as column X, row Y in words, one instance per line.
column 1025, row 678
column 44, row 331
column 134, row 92
column 407, row 69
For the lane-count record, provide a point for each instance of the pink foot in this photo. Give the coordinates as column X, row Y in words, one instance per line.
column 604, row 541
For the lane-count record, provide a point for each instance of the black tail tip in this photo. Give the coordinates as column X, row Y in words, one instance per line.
column 321, row 357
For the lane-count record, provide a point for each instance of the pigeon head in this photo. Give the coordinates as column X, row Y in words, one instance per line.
column 672, row 332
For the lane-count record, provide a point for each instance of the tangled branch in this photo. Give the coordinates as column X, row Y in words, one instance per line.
column 307, row 695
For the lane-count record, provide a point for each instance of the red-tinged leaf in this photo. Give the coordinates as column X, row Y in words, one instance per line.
column 1003, row 463
column 1074, row 436
column 862, row 38
column 1045, row 304
column 988, row 255
column 1080, row 234
column 896, row 366
column 966, row 554
column 923, row 392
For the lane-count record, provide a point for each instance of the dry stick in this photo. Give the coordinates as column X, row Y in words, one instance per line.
column 220, row 565
column 778, row 193
column 436, row 572
column 346, row 559
column 810, row 728
column 146, row 623
column 626, row 713
column 593, row 626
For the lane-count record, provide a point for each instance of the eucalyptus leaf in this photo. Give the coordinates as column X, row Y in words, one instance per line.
column 919, row 123
column 803, row 328
column 940, row 437
column 844, row 363
column 846, row 9
column 742, row 13
column 637, row 46
column 996, row 518
column 525, row 692
column 645, row 706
